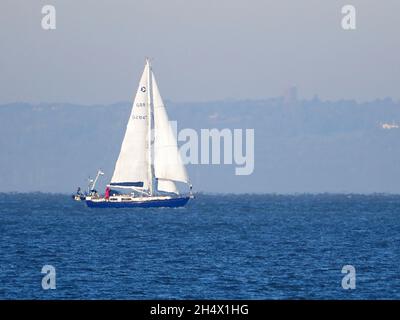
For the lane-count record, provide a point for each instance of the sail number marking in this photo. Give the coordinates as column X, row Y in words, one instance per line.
column 139, row 117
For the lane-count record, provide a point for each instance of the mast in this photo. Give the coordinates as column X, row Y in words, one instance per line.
column 149, row 121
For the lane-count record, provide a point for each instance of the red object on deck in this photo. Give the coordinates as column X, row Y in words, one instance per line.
column 107, row 193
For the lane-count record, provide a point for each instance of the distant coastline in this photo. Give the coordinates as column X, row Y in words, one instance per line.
column 301, row 146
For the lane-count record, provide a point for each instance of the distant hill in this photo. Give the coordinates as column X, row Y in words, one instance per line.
column 300, row 146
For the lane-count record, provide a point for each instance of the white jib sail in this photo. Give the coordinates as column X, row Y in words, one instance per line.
column 132, row 164
column 167, row 186
column 168, row 163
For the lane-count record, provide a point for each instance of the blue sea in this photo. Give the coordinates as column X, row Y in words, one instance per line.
column 218, row 247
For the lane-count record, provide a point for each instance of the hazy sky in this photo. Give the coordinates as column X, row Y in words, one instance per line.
column 202, row 50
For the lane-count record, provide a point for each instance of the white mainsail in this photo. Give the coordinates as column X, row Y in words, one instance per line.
column 137, row 165
column 168, row 163
column 131, row 168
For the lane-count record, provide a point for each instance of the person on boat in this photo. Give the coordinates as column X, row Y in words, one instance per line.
column 107, row 193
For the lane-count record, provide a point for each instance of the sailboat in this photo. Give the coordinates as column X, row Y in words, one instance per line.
column 149, row 163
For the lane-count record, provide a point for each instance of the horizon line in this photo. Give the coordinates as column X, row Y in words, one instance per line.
column 232, row 100
column 376, row 193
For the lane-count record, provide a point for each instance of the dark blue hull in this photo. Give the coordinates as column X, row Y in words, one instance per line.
column 166, row 203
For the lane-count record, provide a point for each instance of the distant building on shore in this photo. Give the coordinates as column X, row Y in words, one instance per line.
column 290, row 96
